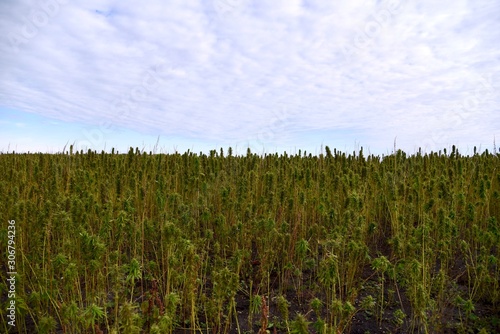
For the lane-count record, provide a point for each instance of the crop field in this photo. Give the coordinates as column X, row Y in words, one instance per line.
column 276, row 243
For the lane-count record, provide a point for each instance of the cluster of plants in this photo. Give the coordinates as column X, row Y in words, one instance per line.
column 217, row 243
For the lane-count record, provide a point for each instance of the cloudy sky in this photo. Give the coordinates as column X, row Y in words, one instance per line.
column 270, row 75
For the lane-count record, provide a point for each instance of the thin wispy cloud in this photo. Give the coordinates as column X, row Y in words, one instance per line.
column 272, row 75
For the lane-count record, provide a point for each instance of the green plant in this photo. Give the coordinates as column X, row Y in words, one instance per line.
column 133, row 272
column 283, row 307
column 398, row 318
column 300, row 325
column 94, row 231
column 381, row 265
column 47, row 324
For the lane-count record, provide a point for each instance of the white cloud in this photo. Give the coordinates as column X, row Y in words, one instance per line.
column 219, row 72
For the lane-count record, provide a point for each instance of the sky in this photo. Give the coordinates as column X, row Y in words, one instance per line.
column 272, row 76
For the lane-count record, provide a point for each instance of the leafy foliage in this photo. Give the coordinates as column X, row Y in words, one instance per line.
column 95, row 230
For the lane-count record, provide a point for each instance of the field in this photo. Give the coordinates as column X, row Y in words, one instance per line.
column 195, row 243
